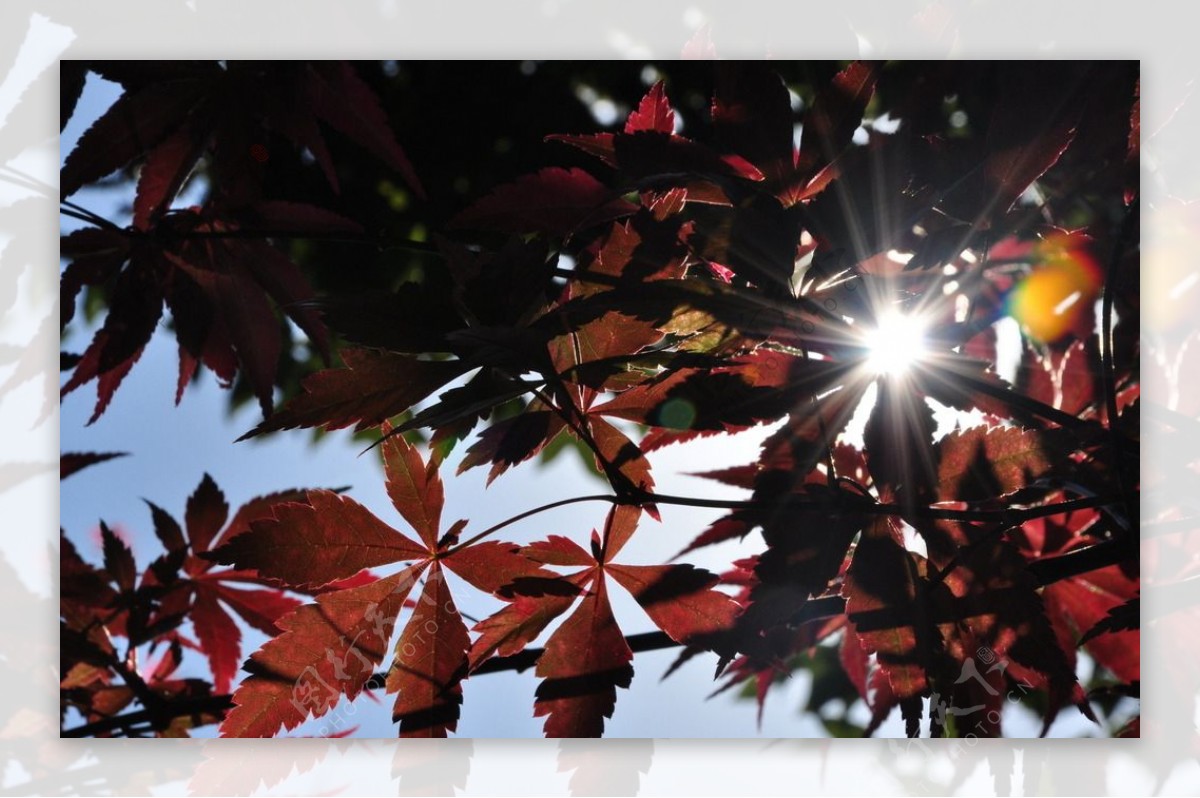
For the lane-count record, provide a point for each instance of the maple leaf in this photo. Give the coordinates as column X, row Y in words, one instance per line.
column 804, row 553
column 218, row 292
column 1132, row 159
column 1032, row 123
column 219, row 637
column 587, row 658
column 220, row 306
column 1121, row 618
column 1004, row 612
column 898, row 440
column 1088, row 601
column 752, row 116
column 72, row 462
column 533, row 602
column 307, row 545
column 431, row 663
column 679, row 600
column 829, row 125
column 135, row 122
column 584, row 663
column 883, row 577
column 173, row 113
column 511, row 441
column 649, row 154
column 653, row 113
column 981, row 464
column 329, row 538
column 326, row 650
column 373, row 387
column 553, row 200
column 202, row 594
column 176, row 586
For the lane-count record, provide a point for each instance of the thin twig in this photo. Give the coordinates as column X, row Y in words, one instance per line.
column 600, row 497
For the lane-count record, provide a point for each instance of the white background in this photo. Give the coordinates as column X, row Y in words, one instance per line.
column 32, row 39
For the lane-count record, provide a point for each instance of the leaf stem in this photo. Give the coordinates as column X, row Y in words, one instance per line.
column 599, row 497
column 68, row 208
column 641, row 497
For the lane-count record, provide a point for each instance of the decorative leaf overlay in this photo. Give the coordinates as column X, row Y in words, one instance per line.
column 669, row 288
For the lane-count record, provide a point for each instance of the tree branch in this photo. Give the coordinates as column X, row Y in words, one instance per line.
column 1046, row 572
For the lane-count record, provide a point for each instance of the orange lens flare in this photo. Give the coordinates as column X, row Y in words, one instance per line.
column 1055, row 300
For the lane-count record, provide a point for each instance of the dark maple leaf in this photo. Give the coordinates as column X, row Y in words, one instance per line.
column 96, row 255
column 173, row 113
column 346, row 103
column 223, row 318
column 898, row 441
column 118, row 559
column 651, row 160
column 72, row 462
column 201, row 591
column 1133, row 159
column 882, row 591
column 133, row 316
column 829, row 125
column 804, row 553
column 1121, row 618
column 649, row 155
column 555, row 201
column 1032, row 124
column 373, row 387
column 980, row 465
column 164, row 173
column 997, row 601
column 512, row 441
column 136, row 121
column 752, row 116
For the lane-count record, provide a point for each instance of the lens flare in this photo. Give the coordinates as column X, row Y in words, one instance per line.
column 895, row 344
column 1056, row 298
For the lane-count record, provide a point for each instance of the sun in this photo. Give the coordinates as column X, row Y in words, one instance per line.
column 895, row 344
